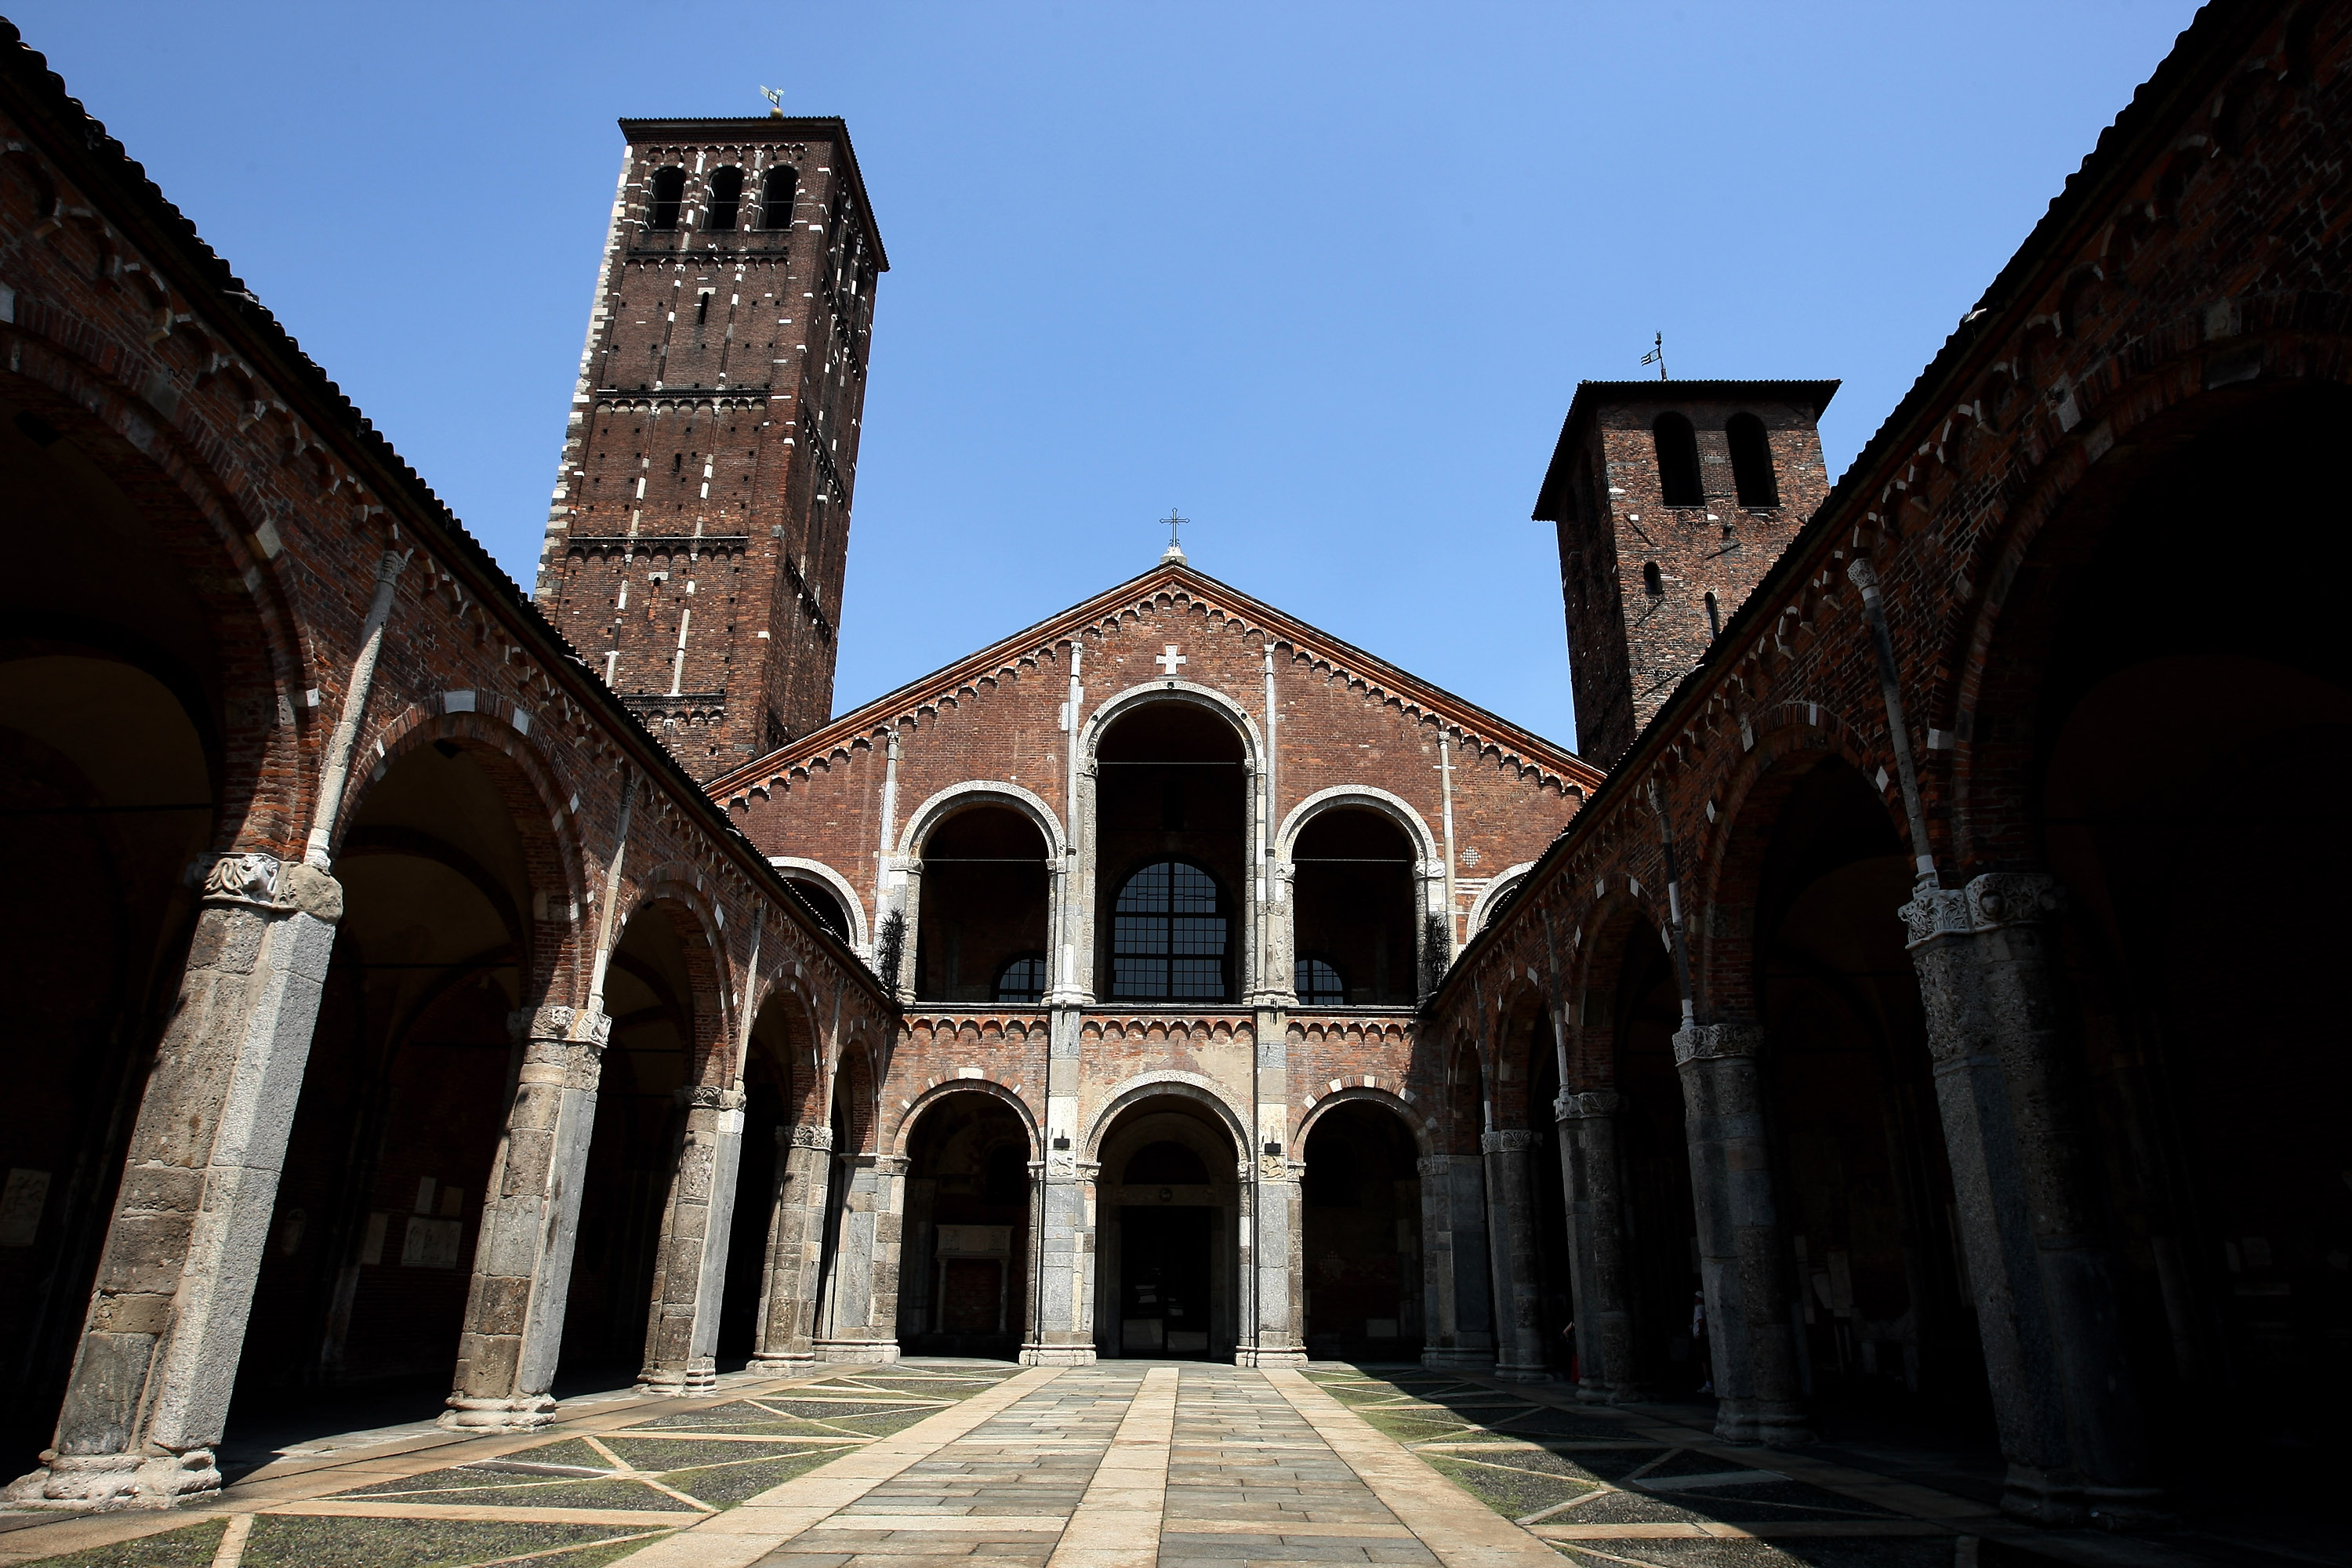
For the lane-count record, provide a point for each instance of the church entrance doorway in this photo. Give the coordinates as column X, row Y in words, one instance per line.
column 1164, row 1299
column 963, row 1287
column 1167, row 1253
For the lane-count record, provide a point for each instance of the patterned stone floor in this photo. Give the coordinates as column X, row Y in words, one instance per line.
column 1123, row 1465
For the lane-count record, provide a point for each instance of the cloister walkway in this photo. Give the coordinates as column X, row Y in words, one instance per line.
column 1121, row 1465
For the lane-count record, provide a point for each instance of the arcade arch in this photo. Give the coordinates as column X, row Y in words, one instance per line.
column 964, row 1241
column 1362, row 1294
column 1168, row 1229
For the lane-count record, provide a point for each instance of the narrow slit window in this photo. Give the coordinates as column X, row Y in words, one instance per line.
column 1678, row 477
column 1654, row 582
column 726, row 200
column 702, row 307
column 667, row 194
column 776, row 191
column 1714, row 618
column 1751, row 462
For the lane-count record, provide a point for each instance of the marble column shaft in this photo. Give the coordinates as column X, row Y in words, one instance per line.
column 148, row 1396
column 861, row 1317
column 1061, row 1328
column 690, row 1263
column 522, row 1256
column 1519, row 1350
column 787, row 1335
column 2017, row 1135
column 1596, row 1220
column 1744, row 1250
column 1457, row 1276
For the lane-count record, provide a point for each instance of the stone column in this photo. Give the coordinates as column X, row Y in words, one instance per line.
column 787, row 1337
column 522, row 1257
column 1061, row 1324
column 1460, row 1309
column 1596, row 1223
column 1744, row 1257
column 1511, row 1253
column 861, row 1320
column 690, row 1264
column 2015, row 1129
column 157, row 1361
column 1273, row 1240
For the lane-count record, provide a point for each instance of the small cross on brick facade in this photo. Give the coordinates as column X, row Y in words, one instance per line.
column 1170, row 660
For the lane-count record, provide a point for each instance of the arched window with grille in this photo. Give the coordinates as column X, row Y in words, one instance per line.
column 665, row 194
column 777, row 189
column 1751, row 462
column 1678, row 477
column 1318, row 982
column 1169, row 936
column 726, row 200
column 1021, row 981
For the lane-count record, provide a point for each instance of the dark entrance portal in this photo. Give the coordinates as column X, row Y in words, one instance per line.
column 1164, row 1288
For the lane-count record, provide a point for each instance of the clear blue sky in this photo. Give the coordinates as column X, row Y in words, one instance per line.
column 1322, row 276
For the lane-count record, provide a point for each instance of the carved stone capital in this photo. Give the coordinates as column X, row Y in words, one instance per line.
column 267, row 883
column 572, row 1025
column 892, row 1164
column 709, row 1096
column 1438, row 1165
column 1933, row 912
column 805, row 1135
column 1275, row 1168
column 1591, row 1105
column 2013, row 898
column 1507, row 1141
column 1716, row 1042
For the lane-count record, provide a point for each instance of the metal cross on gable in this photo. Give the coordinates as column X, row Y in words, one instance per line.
column 1175, row 550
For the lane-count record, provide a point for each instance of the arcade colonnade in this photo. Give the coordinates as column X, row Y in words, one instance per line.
column 402, row 1004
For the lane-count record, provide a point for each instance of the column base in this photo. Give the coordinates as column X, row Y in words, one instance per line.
column 785, row 1364
column 1513, row 1372
column 700, row 1375
column 1270, row 1356
column 1057, row 1355
column 866, row 1351
column 1480, row 1361
column 1773, row 1425
column 527, row 1414
column 95, row 1482
column 2036, row 1496
column 2130, row 1508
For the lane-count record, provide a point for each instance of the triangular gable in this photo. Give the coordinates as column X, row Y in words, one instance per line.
column 1479, row 729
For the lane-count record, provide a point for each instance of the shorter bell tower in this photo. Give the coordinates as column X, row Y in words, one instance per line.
column 1672, row 498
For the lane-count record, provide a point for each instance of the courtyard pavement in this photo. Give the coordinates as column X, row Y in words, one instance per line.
column 1121, row 1465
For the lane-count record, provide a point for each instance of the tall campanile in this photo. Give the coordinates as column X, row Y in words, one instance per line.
column 695, row 549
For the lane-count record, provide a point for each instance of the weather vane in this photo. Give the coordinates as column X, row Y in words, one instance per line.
column 1657, row 356
column 1175, row 550
column 775, row 101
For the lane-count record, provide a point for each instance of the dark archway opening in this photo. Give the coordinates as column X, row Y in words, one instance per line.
column 1168, row 1233
column 983, row 906
column 1170, row 815
column 370, row 1250
column 1353, row 911
column 1885, row 1326
column 1361, row 1238
column 632, row 1152
column 769, row 1071
column 1661, row 1223
column 963, row 1285
column 2185, row 773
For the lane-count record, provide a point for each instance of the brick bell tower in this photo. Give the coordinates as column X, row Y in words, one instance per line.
column 695, row 550
column 1672, row 499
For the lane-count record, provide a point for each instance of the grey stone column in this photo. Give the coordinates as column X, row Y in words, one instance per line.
column 1062, row 1242
column 1273, row 1240
column 861, row 1320
column 787, row 1339
column 1460, row 1311
column 1744, row 1256
column 1596, row 1221
column 690, row 1264
column 1511, row 1253
column 2015, row 1129
column 152, row 1376
column 522, row 1259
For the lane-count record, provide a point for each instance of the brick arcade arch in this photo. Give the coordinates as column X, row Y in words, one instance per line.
column 964, row 1241
column 1361, row 1231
